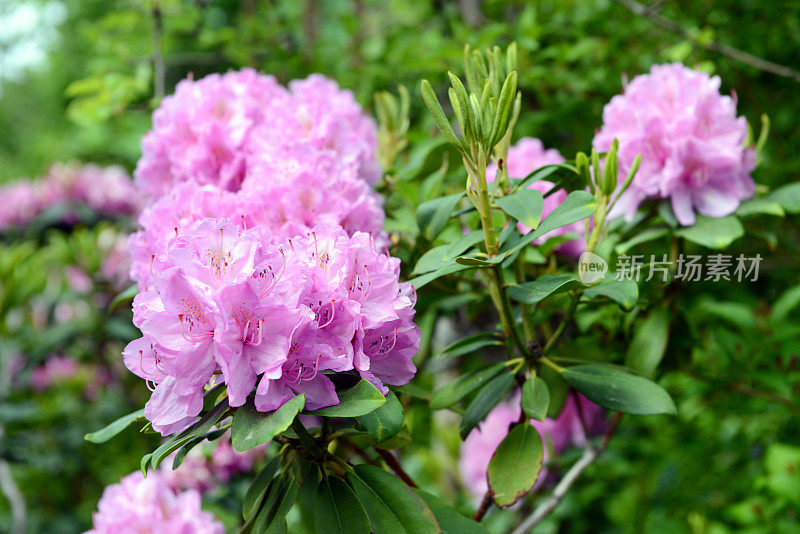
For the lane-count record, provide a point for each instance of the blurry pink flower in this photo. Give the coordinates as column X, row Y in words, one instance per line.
column 55, row 369
column 139, row 504
column 691, row 142
column 525, row 157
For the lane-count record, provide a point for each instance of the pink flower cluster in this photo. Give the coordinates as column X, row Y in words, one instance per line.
column 59, row 369
column 241, row 146
column 558, row 434
column 107, row 190
column 525, row 157
column 691, row 142
column 208, row 465
column 270, row 314
column 139, row 504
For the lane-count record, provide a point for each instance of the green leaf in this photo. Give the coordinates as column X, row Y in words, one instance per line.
column 577, row 206
column 114, row 428
column 438, row 115
column 624, row 292
column 760, row 206
column 279, row 498
column 515, row 465
column 787, row 196
column 427, row 278
column 525, row 206
column 391, row 506
column 125, row 296
column 543, row 287
column 360, row 399
column 251, row 428
column 484, row 401
column 338, row 510
column 535, row 398
column 788, row 301
column 504, row 104
column 471, row 344
column 433, row 215
column 463, row 386
column 450, row 520
column 615, row 389
column 258, row 487
column 714, row 233
column 384, row 422
column 542, row 173
column 443, row 255
column 644, row 236
column 649, row 343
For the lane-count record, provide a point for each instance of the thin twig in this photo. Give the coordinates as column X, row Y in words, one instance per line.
column 395, row 466
column 486, row 503
column 590, row 454
column 725, row 50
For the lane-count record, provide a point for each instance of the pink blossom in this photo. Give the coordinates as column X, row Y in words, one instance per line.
column 55, row 369
column 525, row 157
column 139, row 504
column 690, row 140
column 269, row 315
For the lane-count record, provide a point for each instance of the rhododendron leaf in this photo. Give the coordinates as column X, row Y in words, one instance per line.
column 714, row 233
column 450, row 520
column 434, row 259
column 644, row 236
column 760, row 206
column 433, row 215
column 251, row 428
column 391, row 505
column 338, row 510
column 280, row 495
column 424, row 159
column 438, row 115
column 623, row 292
column 504, row 104
column 426, row 278
column 486, row 399
column 616, row 389
column 542, row 173
column 545, row 286
column 525, row 206
column 784, row 304
column 210, row 436
column 463, row 386
column 787, row 196
column 471, row 344
column 125, row 296
column 386, row 421
column 360, row 399
column 258, row 487
column 649, row 343
column 535, row 398
column 577, row 206
column 515, row 465
column 114, row 428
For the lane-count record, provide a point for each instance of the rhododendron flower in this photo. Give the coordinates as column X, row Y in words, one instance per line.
column 210, row 130
column 139, row 504
column 269, row 315
column 525, row 157
column 690, row 140
column 557, row 434
column 55, row 369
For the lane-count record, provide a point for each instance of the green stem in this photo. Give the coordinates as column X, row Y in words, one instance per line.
column 573, row 305
column 305, row 437
column 527, row 312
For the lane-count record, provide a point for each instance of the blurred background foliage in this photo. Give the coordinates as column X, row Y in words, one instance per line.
column 730, row 462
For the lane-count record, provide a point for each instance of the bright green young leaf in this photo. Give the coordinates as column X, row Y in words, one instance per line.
column 577, row 206
column 251, row 428
column 650, row 234
column 427, row 278
column 623, row 292
column 787, row 196
column 515, row 465
column 114, row 428
column 649, row 343
column 386, row 421
column 525, row 206
column 484, row 401
column 543, row 287
column 618, row 390
column 338, row 510
column 760, row 206
column 714, row 233
column 450, row 520
column 391, row 506
column 358, row 400
column 463, row 386
column 535, row 398
column 434, row 214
